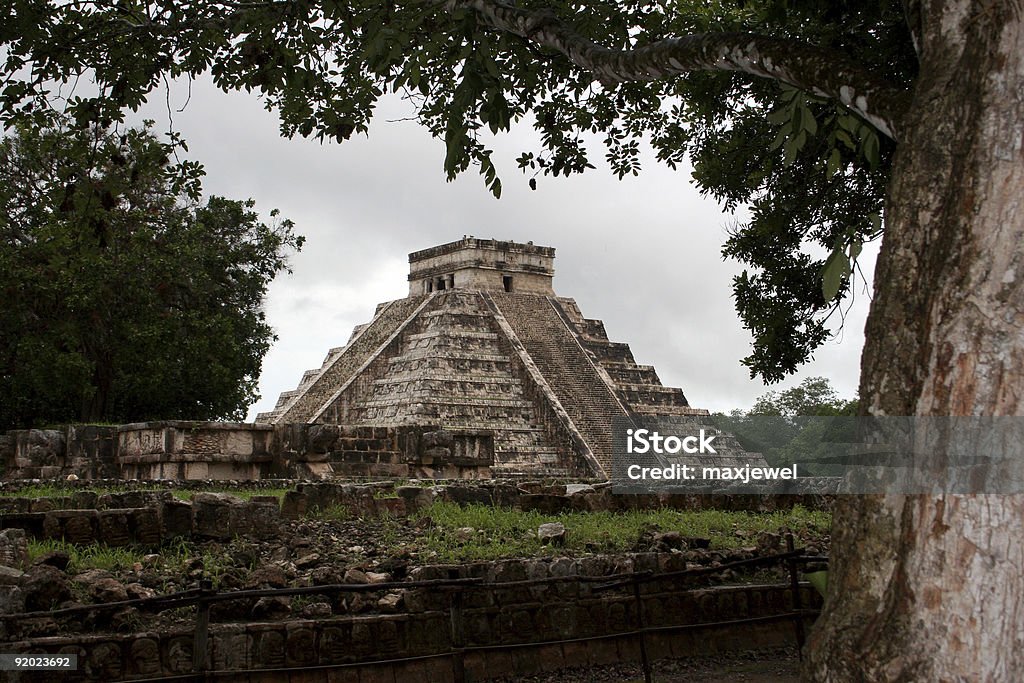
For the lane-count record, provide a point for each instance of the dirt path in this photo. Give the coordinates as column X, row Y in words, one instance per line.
column 764, row 666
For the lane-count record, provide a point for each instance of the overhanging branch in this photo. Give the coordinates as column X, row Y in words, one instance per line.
column 821, row 72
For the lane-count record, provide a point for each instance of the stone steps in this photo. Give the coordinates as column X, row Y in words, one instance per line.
column 451, row 372
column 436, row 354
column 556, row 351
column 455, row 336
column 306, row 406
column 406, row 378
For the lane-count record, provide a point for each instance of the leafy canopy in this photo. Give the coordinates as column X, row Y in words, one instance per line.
column 125, row 297
column 712, row 82
column 790, row 426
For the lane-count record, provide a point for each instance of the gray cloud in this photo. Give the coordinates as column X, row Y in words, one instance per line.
column 642, row 254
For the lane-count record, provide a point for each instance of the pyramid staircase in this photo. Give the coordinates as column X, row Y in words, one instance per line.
column 638, row 386
column 586, row 396
column 319, row 387
column 547, row 382
column 451, row 371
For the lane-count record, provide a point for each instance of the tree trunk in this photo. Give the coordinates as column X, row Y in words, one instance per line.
column 931, row 588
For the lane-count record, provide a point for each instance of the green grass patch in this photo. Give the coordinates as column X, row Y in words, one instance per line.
column 92, row 556
column 333, row 513
column 47, row 491
column 174, row 556
column 244, row 494
column 56, row 491
column 503, row 532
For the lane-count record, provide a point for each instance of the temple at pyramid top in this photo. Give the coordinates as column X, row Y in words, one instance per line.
column 493, row 265
column 482, row 351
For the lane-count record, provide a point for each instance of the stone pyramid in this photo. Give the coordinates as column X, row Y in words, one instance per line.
column 483, row 343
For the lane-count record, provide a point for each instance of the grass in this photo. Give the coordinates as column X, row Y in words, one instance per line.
column 333, row 513
column 51, row 491
column 175, row 556
column 55, row 491
column 92, row 556
column 244, row 494
column 512, row 533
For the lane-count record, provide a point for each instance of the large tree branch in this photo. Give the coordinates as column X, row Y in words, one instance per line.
column 821, row 72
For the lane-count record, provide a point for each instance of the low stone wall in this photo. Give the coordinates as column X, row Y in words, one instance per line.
column 87, row 451
column 539, row 619
column 237, row 451
column 140, row 517
column 546, row 498
column 148, row 516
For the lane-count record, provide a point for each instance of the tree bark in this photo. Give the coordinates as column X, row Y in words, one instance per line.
column 931, row 588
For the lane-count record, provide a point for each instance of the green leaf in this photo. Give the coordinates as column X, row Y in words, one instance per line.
column 836, row 268
column 819, row 580
column 809, row 123
column 834, row 161
column 781, row 116
column 856, row 246
column 876, row 221
column 871, row 148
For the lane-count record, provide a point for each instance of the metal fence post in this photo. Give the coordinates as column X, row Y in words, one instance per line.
column 642, row 625
column 794, row 583
column 458, row 655
column 200, row 639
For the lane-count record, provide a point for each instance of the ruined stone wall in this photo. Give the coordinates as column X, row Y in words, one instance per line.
column 233, row 451
column 140, row 517
column 482, row 265
column 550, row 499
column 149, row 517
column 86, row 451
column 193, row 450
column 509, row 630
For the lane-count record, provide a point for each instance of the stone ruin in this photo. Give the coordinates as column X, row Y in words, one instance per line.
column 482, row 342
column 481, row 372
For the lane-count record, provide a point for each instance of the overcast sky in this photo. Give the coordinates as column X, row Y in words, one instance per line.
column 641, row 254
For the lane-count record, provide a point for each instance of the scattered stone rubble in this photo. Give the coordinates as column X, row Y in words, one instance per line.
column 249, row 544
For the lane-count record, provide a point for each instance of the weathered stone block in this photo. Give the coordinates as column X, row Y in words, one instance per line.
column 300, row 645
column 466, row 495
column 175, row 518
column 42, row 505
column 84, row 500
column 44, row 587
column 75, row 526
column 268, row 646
column 177, row 654
column 13, row 548
column 104, row 661
column 231, row 647
column 264, row 518
column 214, row 515
column 295, row 505
column 144, row 524
column 113, row 527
